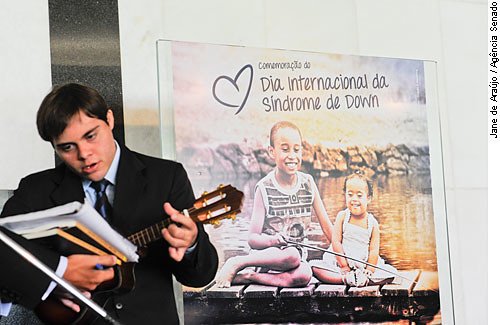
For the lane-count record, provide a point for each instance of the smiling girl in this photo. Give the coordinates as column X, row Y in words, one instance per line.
column 356, row 233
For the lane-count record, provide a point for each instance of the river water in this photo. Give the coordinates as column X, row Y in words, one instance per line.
column 401, row 204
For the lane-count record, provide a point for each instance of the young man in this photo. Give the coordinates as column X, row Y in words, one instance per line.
column 141, row 190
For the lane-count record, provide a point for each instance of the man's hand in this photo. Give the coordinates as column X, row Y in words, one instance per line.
column 68, row 302
column 180, row 234
column 83, row 273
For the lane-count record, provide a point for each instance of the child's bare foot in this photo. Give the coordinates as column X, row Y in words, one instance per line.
column 244, row 278
column 227, row 273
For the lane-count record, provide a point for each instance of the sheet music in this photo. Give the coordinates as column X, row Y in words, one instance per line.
column 66, row 216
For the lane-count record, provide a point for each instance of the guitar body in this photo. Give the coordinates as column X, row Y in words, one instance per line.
column 52, row 311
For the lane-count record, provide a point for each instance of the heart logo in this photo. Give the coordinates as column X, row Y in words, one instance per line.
column 234, row 92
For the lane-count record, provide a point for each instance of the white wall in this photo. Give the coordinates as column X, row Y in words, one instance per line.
column 24, row 80
column 452, row 33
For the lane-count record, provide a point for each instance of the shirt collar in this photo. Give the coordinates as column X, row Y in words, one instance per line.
column 113, row 169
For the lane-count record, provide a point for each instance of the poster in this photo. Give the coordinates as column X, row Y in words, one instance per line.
column 355, row 114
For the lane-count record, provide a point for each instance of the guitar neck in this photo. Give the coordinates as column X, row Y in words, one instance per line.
column 225, row 202
column 152, row 233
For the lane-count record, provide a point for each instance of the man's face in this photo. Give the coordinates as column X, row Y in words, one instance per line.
column 87, row 145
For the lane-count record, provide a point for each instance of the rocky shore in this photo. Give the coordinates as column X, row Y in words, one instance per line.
column 231, row 160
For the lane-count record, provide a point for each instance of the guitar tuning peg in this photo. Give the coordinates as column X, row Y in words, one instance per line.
column 221, row 186
column 204, row 193
column 216, row 223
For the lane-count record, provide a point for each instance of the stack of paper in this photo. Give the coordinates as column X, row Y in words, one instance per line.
column 47, row 222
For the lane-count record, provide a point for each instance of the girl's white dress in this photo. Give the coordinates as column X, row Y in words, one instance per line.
column 356, row 243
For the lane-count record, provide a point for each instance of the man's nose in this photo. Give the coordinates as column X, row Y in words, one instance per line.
column 84, row 151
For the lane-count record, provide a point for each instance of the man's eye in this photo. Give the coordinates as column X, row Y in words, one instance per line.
column 66, row 147
column 90, row 136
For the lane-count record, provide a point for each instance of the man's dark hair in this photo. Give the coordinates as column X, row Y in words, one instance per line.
column 62, row 103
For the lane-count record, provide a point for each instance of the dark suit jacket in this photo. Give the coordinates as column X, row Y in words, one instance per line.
column 15, row 272
column 143, row 184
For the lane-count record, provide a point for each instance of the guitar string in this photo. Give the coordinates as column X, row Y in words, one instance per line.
column 139, row 238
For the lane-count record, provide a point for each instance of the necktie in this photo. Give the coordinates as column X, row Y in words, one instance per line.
column 102, row 204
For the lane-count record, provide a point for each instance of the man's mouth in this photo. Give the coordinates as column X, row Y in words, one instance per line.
column 89, row 168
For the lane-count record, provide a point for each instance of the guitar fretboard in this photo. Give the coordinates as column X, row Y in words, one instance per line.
column 153, row 233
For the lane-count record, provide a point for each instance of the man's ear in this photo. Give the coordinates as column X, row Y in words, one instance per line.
column 110, row 118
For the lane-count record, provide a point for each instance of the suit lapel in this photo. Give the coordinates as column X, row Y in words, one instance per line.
column 69, row 187
column 130, row 187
